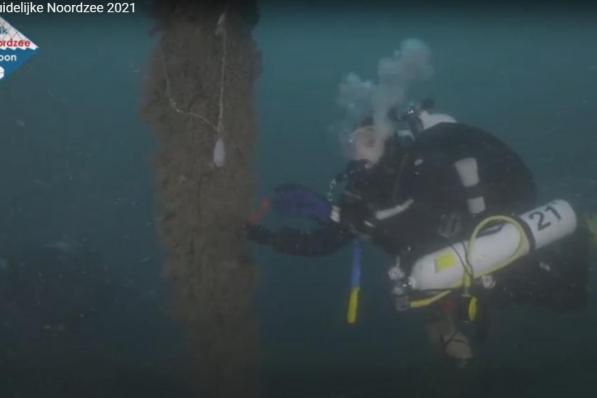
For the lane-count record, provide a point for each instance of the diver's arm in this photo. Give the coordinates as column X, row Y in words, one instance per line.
column 315, row 243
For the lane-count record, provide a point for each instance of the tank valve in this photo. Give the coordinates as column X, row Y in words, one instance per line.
column 401, row 287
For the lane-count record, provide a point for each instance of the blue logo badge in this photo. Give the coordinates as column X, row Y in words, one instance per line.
column 15, row 48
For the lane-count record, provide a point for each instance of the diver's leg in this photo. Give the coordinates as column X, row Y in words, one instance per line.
column 445, row 336
column 554, row 277
column 565, row 272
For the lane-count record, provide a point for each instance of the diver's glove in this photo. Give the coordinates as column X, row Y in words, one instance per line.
column 357, row 216
column 258, row 234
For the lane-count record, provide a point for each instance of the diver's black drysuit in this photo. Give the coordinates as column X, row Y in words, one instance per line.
column 413, row 201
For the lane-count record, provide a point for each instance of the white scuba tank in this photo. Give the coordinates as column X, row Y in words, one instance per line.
column 444, row 269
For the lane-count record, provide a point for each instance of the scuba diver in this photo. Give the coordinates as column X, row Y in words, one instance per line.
column 457, row 210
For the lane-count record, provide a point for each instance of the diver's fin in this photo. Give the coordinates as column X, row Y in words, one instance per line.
column 298, row 201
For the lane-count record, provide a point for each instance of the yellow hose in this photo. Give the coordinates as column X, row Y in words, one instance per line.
column 522, row 243
column 428, row 301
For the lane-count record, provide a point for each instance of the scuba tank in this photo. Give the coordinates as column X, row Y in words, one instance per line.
column 496, row 242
